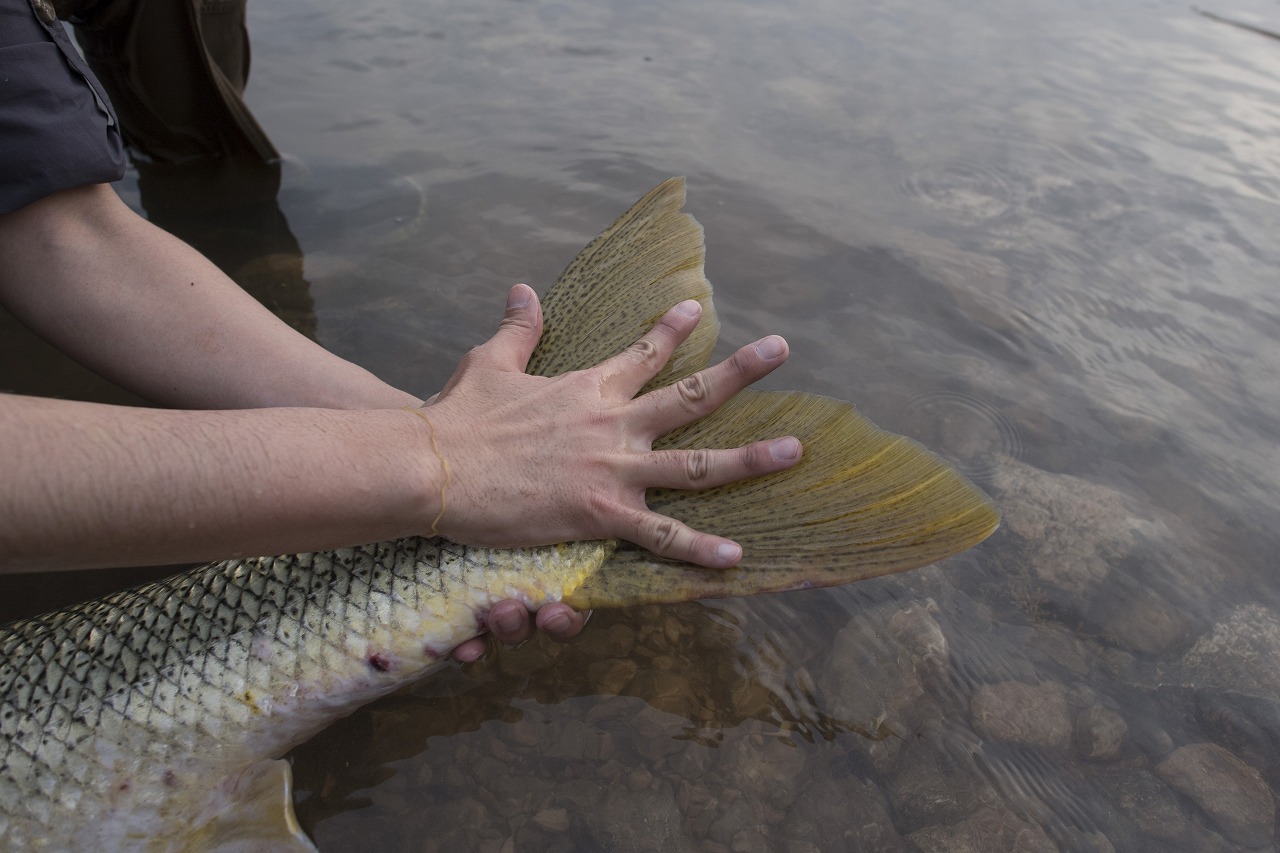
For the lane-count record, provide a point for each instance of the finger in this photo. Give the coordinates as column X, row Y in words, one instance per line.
column 676, row 540
column 560, row 621
column 471, row 651
column 706, row 468
column 509, row 622
column 628, row 371
column 518, row 333
column 705, row 391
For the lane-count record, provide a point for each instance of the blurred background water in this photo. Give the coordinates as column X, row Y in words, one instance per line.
column 1038, row 236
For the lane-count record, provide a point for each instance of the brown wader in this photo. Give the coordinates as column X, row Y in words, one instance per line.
column 175, row 71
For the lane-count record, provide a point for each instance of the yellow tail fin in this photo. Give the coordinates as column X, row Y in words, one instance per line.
column 862, row 502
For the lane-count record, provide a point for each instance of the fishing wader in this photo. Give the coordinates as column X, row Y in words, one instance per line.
column 175, row 71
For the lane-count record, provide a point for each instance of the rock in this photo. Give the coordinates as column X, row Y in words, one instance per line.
column 1062, row 646
column 1149, row 803
column 765, row 769
column 920, row 635
column 552, row 820
column 1229, row 791
column 1099, row 733
column 1071, row 530
column 985, row 831
column 839, row 814
column 643, row 821
column 1241, row 653
column 929, row 788
column 612, row 675
column 1026, row 714
column 1144, row 622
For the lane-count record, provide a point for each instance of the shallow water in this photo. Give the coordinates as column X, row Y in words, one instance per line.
column 1039, row 237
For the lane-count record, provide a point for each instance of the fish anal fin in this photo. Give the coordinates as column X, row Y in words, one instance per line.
column 617, row 287
column 861, row 503
column 256, row 814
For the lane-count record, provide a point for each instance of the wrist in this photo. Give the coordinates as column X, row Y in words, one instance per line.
column 443, row 474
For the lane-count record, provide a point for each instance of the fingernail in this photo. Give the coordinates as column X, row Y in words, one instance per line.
column 519, row 296
column 508, row 621
column 785, row 449
column 689, row 308
column 557, row 623
column 771, row 347
column 728, row 553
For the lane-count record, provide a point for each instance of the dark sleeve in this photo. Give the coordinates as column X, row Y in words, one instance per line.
column 57, row 128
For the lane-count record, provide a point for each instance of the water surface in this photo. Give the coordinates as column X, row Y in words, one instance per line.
column 1040, row 237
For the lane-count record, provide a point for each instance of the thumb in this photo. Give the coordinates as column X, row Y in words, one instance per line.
column 521, row 327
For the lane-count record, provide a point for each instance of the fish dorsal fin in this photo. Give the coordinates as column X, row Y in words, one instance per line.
column 257, row 816
column 622, row 282
column 861, row 503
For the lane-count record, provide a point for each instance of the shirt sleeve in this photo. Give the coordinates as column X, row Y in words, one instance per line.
column 57, row 127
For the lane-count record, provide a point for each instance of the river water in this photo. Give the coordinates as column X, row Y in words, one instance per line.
column 1038, row 236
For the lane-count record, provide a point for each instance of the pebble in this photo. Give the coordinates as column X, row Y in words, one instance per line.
column 612, row 675
column 552, row 820
column 1099, row 733
column 1226, row 789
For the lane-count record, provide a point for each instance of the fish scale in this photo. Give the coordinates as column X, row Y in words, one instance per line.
column 117, row 703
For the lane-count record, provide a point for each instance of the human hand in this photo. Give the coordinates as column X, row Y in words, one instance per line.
column 509, row 623
column 539, row 460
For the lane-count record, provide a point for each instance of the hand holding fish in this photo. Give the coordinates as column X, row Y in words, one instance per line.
column 575, row 449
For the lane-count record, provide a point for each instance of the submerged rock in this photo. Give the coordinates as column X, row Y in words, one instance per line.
column 1020, row 713
column 1240, row 653
column 1229, row 791
column 1151, row 805
column 987, row 830
column 1071, row 530
column 647, row 820
column 1144, row 621
column 1099, row 733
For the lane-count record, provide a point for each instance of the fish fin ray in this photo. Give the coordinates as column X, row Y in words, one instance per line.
column 861, row 503
column 258, row 817
column 617, row 287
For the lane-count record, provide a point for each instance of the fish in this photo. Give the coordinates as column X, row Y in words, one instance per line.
column 154, row 719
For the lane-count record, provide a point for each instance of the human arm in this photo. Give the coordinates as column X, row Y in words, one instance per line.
column 147, row 311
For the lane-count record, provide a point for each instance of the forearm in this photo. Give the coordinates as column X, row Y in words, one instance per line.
column 85, row 485
column 147, row 311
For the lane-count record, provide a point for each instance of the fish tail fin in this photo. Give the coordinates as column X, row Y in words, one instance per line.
column 861, row 503
column 618, row 287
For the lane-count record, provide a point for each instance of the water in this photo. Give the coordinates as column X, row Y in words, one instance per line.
column 1038, row 236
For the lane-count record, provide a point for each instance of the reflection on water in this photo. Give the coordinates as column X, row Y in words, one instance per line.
column 1039, row 237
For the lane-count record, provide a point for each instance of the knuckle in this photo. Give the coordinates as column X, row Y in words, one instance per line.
column 694, row 389
column 697, row 465
column 644, row 351
column 742, row 362
column 664, row 532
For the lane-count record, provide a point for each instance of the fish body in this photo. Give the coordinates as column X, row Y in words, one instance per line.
column 129, row 719
column 155, row 718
